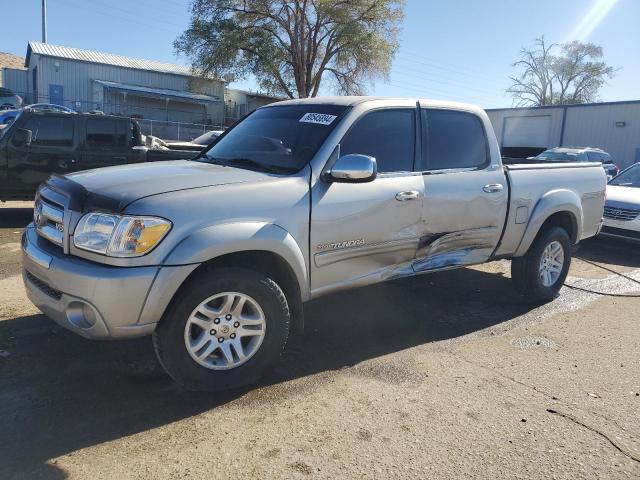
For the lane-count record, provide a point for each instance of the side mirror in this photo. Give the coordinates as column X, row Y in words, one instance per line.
column 353, row 168
column 21, row 138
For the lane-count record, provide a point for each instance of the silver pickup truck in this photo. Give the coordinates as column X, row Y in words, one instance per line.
column 215, row 256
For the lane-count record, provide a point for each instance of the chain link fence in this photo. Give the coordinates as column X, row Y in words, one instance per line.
column 174, row 130
column 164, row 129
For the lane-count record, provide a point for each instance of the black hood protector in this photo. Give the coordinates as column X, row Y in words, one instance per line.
column 81, row 199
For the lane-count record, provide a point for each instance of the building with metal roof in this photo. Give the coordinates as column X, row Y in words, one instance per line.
column 86, row 80
column 92, row 56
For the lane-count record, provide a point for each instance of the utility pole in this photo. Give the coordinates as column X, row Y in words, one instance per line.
column 44, row 21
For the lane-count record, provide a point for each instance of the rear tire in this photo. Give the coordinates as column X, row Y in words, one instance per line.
column 541, row 272
column 243, row 342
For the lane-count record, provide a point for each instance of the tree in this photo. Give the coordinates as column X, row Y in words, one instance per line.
column 291, row 46
column 573, row 75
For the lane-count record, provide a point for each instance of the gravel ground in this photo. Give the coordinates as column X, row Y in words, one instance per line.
column 450, row 375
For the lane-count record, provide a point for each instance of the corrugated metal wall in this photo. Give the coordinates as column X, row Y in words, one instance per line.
column 76, row 79
column 612, row 126
column 16, row 80
column 595, row 126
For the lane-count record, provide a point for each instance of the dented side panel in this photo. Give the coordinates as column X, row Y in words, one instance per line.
column 360, row 230
column 463, row 222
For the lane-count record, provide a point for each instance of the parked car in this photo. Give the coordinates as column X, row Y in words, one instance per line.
column 39, row 143
column 9, row 100
column 580, row 154
column 8, row 116
column 49, row 107
column 215, row 256
column 622, row 207
column 197, row 143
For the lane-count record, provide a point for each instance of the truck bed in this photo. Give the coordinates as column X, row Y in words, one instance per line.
column 535, row 186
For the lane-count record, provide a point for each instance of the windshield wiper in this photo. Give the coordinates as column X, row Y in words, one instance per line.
column 247, row 162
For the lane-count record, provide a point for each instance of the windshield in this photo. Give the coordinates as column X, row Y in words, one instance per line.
column 555, row 156
column 629, row 178
column 276, row 139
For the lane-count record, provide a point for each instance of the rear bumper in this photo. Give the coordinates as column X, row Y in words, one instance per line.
column 94, row 300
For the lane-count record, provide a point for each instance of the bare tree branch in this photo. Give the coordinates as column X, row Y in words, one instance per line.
column 573, row 76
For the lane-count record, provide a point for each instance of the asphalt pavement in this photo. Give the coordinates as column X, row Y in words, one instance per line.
column 448, row 375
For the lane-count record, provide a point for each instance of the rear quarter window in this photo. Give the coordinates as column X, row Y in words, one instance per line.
column 453, row 139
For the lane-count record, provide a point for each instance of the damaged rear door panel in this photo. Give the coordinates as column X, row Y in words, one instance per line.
column 466, row 193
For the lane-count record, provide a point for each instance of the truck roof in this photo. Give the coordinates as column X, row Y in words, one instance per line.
column 349, row 101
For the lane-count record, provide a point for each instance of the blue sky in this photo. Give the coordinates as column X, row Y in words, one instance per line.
column 450, row 49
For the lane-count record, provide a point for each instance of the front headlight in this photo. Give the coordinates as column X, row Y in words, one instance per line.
column 119, row 235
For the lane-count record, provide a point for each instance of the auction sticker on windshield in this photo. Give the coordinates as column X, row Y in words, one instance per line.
column 321, row 118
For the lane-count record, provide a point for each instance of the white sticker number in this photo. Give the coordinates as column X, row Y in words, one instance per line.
column 321, row 118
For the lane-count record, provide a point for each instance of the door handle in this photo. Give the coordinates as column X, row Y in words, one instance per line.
column 408, row 195
column 119, row 159
column 493, row 188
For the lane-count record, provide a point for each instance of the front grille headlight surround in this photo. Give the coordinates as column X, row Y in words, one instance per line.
column 119, row 235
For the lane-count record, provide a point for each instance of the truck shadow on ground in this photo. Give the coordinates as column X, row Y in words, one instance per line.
column 61, row 393
column 611, row 251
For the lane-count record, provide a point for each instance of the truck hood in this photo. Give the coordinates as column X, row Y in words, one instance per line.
column 113, row 188
column 618, row 196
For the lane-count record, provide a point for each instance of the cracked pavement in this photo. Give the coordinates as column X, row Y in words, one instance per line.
column 449, row 375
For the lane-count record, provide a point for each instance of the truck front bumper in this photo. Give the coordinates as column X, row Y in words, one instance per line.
column 96, row 301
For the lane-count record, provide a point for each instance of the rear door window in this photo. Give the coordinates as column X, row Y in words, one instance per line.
column 452, row 140
column 123, row 132
column 51, row 130
column 387, row 135
column 594, row 157
column 101, row 132
column 599, row 157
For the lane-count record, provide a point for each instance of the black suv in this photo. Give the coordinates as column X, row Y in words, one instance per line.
column 39, row 143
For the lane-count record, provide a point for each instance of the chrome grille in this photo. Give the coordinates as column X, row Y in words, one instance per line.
column 624, row 214
column 48, row 218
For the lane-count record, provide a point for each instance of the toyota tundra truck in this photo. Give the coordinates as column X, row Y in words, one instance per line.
column 214, row 257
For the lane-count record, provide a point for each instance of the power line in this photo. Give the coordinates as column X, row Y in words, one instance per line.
column 455, row 71
column 109, row 13
column 455, row 91
column 446, row 81
column 136, row 14
column 431, row 59
column 423, row 91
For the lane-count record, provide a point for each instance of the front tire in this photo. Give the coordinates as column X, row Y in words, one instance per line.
column 225, row 328
column 541, row 272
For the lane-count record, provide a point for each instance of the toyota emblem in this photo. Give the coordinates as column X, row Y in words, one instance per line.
column 38, row 218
